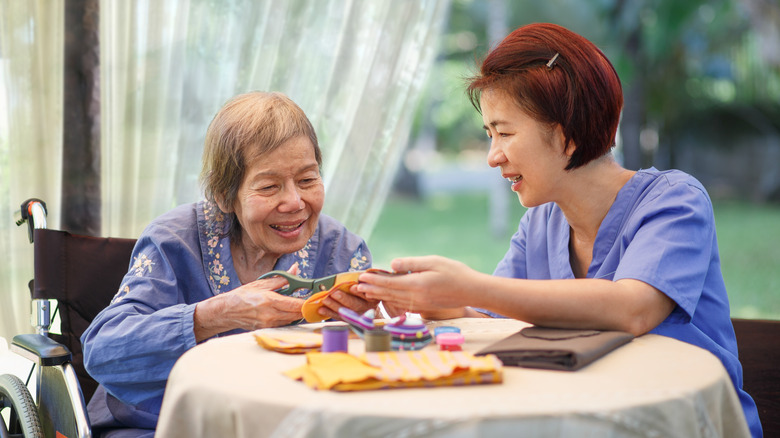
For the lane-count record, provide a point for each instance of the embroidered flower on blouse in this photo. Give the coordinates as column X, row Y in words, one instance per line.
column 217, row 267
column 214, row 230
column 304, row 252
column 121, row 294
column 212, row 243
column 302, row 256
column 142, row 264
column 358, row 262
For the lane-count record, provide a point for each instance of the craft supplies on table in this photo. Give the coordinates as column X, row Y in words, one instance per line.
column 407, row 333
column 449, row 341
column 335, row 338
column 377, row 340
column 445, row 329
column 396, row 369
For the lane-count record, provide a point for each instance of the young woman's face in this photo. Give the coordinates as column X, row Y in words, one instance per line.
column 280, row 199
column 530, row 154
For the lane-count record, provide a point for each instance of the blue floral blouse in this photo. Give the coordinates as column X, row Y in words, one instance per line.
column 183, row 257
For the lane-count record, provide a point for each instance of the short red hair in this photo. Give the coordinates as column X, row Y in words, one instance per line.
column 581, row 90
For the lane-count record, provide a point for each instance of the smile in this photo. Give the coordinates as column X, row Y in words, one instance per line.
column 287, row 228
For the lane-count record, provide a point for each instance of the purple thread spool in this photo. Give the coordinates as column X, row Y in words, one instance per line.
column 334, row 338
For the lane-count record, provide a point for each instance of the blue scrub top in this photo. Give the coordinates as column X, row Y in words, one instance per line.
column 660, row 230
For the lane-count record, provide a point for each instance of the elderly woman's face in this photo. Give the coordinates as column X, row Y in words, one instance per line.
column 280, row 199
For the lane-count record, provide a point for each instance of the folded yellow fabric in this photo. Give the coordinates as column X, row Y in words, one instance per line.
column 396, row 369
column 289, row 342
column 311, row 306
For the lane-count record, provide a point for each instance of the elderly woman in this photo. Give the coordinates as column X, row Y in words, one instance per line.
column 194, row 269
column 601, row 246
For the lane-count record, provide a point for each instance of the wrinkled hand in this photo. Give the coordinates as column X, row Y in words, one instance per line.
column 435, row 287
column 256, row 305
column 252, row 306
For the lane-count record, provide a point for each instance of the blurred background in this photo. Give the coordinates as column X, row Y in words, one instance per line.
column 104, row 106
column 701, row 81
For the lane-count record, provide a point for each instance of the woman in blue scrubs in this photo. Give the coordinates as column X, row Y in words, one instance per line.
column 600, row 246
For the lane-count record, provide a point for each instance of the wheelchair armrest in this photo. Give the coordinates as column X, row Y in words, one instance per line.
column 40, row 349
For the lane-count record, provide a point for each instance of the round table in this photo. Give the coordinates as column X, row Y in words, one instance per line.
column 652, row 386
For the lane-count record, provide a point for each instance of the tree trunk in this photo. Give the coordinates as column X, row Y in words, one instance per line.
column 498, row 201
column 81, row 119
column 631, row 124
column 633, row 102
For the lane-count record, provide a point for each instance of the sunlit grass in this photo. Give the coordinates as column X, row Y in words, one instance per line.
column 451, row 226
column 457, row 226
column 749, row 242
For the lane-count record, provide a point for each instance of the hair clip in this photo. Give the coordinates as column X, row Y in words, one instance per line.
column 551, row 62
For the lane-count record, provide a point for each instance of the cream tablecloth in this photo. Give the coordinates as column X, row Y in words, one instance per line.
column 653, row 386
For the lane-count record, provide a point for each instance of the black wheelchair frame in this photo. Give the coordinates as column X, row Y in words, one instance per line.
column 56, row 407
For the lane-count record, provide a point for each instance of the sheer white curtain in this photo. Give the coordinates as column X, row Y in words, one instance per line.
column 31, row 40
column 355, row 67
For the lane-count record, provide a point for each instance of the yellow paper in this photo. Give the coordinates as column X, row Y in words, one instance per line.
column 331, row 369
column 311, row 306
column 289, row 342
column 396, row 369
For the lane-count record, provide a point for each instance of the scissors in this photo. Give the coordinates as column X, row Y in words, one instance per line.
column 295, row 283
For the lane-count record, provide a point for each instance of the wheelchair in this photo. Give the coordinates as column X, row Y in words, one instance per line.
column 82, row 273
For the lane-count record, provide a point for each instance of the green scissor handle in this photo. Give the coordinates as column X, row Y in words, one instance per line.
column 295, row 283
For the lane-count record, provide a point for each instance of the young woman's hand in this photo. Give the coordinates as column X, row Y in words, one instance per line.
column 336, row 300
column 433, row 286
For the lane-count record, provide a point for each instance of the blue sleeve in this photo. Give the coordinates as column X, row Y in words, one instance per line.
column 513, row 265
column 131, row 346
column 672, row 245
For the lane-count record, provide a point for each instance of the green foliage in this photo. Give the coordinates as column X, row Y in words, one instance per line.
column 687, row 55
column 451, row 226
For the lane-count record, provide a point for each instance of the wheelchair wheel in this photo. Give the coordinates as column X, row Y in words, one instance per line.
column 22, row 414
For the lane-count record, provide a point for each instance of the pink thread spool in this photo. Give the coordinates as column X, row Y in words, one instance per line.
column 450, row 341
column 335, row 338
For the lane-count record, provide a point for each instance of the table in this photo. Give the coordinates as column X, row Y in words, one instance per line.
column 653, row 386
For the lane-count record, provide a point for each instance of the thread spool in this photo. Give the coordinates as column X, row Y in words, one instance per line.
column 445, row 329
column 450, row 341
column 335, row 338
column 377, row 340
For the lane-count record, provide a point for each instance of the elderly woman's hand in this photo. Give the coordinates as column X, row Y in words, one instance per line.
column 252, row 306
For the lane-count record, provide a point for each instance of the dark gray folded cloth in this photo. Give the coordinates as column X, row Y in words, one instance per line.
column 555, row 349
